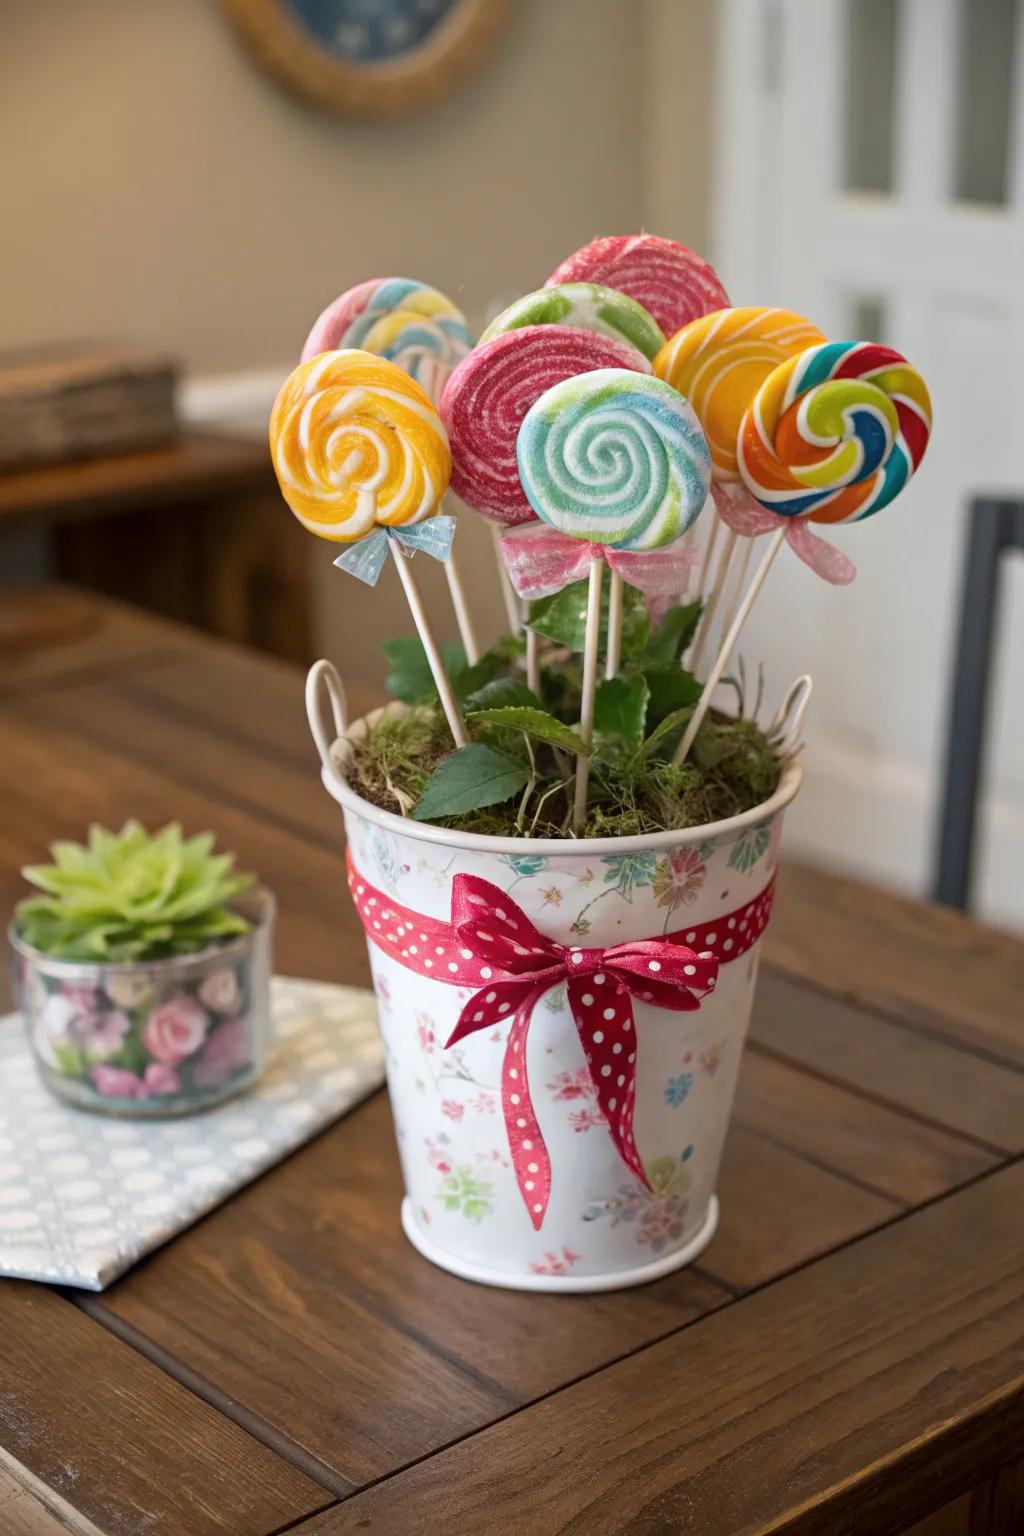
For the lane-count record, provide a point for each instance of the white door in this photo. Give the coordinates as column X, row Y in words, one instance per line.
column 869, row 173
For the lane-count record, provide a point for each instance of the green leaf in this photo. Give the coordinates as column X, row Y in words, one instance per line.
column 670, row 689
column 620, row 706
column 468, row 779
column 563, row 618
column 501, row 694
column 672, row 727
column 410, row 678
column 469, row 680
column 674, row 632
column 535, row 722
column 69, row 1059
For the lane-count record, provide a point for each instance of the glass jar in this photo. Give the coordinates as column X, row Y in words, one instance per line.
column 151, row 1038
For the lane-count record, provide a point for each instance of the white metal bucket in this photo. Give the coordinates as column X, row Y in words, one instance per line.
column 603, row 1229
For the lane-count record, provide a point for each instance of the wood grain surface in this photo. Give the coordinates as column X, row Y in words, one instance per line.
column 844, row 1358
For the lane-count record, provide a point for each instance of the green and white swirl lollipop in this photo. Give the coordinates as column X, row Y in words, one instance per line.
column 589, row 307
column 616, row 458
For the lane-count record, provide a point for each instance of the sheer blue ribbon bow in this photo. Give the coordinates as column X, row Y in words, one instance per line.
column 365, row 559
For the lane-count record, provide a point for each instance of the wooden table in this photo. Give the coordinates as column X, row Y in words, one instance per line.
column 846, row 1357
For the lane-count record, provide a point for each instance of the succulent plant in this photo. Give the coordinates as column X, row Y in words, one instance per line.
column 130, row 896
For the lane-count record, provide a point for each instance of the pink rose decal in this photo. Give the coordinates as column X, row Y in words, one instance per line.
column 160, row 1080
column 226, row 1050
column 175, row 1029
column 117, row 1083
column 220, row 992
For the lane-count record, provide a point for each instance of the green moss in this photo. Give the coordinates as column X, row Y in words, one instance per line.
column 732, row 769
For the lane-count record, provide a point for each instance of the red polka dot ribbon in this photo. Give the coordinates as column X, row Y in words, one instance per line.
column 491, row 945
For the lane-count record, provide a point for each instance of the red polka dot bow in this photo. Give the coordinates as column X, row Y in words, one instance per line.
column 491, row 944
column 600, row 986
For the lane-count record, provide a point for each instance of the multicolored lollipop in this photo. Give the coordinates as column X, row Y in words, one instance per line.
column 835, row 433
column 588, row 305
column 490, row 392
column 615, row 458
column 356, row 443
column 672, row 283
column 400, row 319
column 720, row 361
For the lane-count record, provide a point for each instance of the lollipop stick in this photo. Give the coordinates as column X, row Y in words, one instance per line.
column 614, row 653
column 722, row 661
column 708, row 616
column 737, row 582
column 456, row 724
column 507, row 590
column 466, row 633
column 590, row 645
column 533, row 662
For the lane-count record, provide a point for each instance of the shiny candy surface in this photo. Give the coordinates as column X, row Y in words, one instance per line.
column 616, row 458
column 398, row 318
column 673, row 283
column 356, row 443
column 490, row 392
column 836, row 432
column 588, row 305
column 721, row 360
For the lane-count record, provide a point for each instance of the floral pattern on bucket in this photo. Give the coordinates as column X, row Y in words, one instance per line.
column 658, row 1213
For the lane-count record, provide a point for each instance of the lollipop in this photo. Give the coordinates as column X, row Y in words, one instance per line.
column 491, row 390
column 362, row 459
column 394, row 317
column 835, row 433
column 615, row 458
column 356, row 443
column 720, row 361
column 587, row 305
column 832, row 435
column 674, row 284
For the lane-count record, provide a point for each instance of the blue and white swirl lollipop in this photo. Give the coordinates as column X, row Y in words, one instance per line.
column 615, row 458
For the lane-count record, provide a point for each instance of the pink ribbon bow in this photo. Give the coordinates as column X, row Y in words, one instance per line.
column 541, row 560
column 745, row 516
column 491, row 944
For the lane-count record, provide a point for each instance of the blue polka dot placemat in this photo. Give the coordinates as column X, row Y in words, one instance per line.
column 84, row 1196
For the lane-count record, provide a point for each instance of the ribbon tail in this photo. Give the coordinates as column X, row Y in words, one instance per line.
column 657, row 573
column 609, row 1045
column 365, row 558
column 529, row 1153
column 824, row 559
column 740, row 512
column 432, row 537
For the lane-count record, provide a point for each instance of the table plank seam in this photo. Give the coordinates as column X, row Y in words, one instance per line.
column 815, row 1161
column 936, row 1033
column 136, row 689
column 301, row 1520
column 214, row 1397
column 773, row 1053
column 98, row 672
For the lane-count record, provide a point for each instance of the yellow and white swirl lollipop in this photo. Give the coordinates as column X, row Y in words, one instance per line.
column 356, row 443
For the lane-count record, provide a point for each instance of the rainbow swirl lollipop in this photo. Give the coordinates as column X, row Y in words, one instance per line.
column 616, row 458
column 720, row 361
column 357, row 444
column 394, row 317
column 672, row 283
column 835, row 433
column 587, row 305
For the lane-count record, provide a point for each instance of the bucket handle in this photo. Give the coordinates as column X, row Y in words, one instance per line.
column 323, row 687
column 785, row 731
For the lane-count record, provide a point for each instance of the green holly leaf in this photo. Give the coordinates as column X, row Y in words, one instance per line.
column 563, row 618
column 620, row 707
column 535, row 722
column 410, row 678
column 674, row 632
column 503, row 693
column 670, row 689
column 469, row 779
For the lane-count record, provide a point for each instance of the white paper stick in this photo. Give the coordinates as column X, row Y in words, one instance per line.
column 456, row 724
column 590, row 646
column 466, row 632
column 614, row 653
column 707, row 618
column 533, row 662
column 722, row 661
column 737, row 581
column 508, row 591
column 709, row 555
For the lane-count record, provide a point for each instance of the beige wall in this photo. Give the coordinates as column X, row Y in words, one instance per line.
column 158, row 188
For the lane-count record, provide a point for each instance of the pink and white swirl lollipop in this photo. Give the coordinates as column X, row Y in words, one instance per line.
column 673, row 283
column 490, row 392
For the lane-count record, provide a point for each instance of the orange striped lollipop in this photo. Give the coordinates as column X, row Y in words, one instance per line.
column 720, row 361
column 357, row 443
